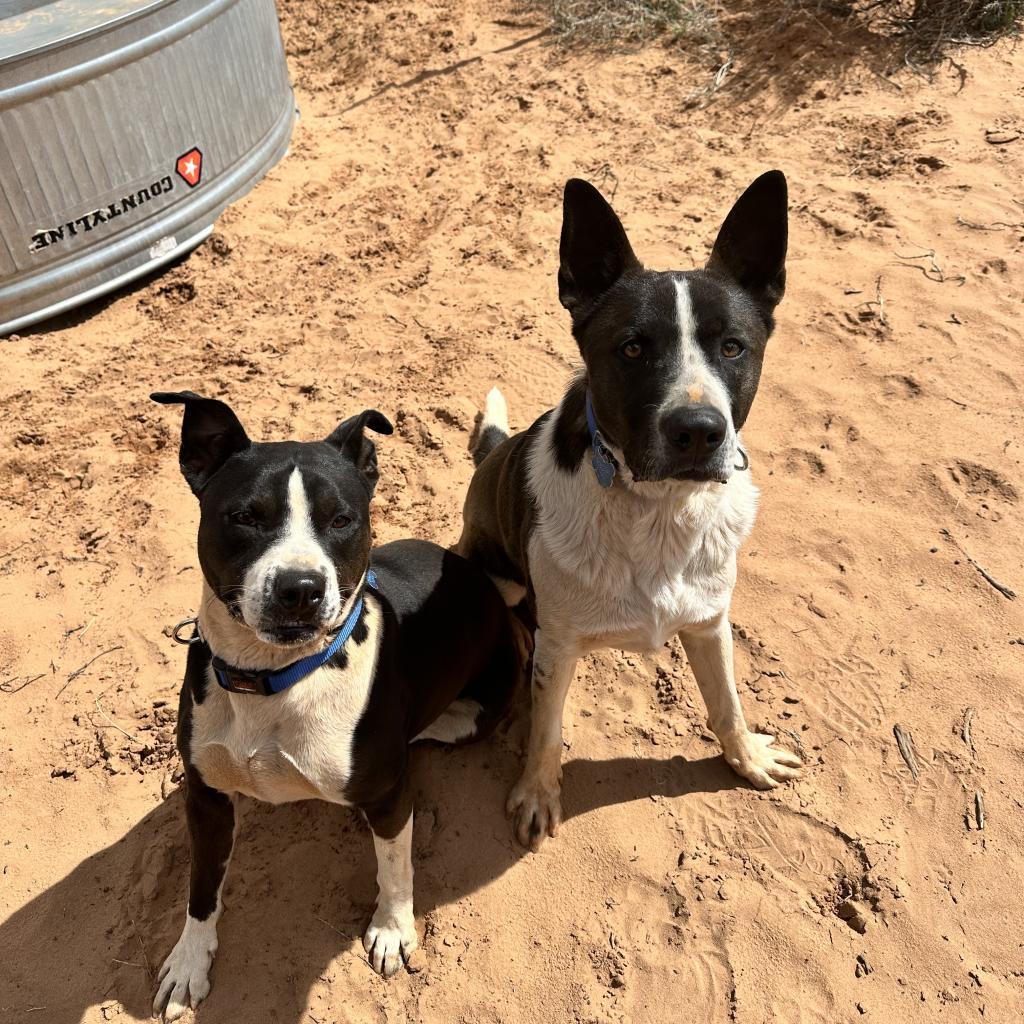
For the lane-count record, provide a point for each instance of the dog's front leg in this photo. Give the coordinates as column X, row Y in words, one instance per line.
column 391, row 936
column 535, row 801
column 184, row 977
column 753, row 755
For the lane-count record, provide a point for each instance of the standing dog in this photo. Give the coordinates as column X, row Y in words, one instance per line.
column 617, row 516
column 316, row 662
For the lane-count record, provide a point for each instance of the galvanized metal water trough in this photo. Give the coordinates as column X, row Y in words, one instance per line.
column 126, row 127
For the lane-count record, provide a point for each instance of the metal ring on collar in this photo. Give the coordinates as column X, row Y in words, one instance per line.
column 185, row 641
column 746, row 461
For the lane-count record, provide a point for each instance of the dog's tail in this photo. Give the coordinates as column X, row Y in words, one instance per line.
column 493, row 427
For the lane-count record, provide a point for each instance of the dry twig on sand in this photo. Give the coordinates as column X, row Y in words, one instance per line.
column 1001, row 587
column 7, row 686
column 933, row 272
column 996, row 225
column 112, row 724
column 965, row 729
column 905, row 742
column 81, row 668
column 142, row 946
column 876, row 306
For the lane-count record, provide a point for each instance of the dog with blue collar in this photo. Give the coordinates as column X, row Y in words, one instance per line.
column 616, row 518
column 315, row 662
column 267, row 683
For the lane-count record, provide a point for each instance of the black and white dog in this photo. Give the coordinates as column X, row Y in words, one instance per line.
column 616, row 518
column 317, row 661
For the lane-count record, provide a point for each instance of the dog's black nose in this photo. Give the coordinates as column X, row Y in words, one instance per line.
column 697, row 430
column 299, row 592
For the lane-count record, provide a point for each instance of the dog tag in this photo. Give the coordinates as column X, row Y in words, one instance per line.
column 604, row 467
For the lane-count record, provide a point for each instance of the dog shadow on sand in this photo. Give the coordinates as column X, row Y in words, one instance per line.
column 299, row 891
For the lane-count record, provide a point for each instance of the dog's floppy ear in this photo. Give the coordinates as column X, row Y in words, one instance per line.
column 594, row 252
column 751, row 245
column 210, row 435
column 348, row 437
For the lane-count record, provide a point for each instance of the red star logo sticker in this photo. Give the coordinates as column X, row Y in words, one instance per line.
column 190, row 167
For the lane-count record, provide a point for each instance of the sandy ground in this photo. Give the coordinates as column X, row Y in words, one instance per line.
column 404, row 257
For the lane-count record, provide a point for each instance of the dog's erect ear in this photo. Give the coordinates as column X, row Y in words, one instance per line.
column 751, row 245
column 210, row 435
column 594, row 252
column 348, row 437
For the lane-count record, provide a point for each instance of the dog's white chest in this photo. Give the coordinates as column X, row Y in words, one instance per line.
column 654, row 602
column 632, row 602
column 295, row 745
column 630, row 569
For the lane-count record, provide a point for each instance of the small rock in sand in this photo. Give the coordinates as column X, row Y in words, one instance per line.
column 854, row 914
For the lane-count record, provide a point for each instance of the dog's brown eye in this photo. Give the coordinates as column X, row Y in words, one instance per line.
column 632, row 349
column 243, row 518
column 340, row 522
column 731, row 349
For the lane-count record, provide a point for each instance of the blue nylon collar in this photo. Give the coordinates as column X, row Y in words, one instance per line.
column 238, row 680
column 604, row 463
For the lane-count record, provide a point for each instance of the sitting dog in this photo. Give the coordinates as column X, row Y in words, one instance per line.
column 316, row 662
column 615, row 519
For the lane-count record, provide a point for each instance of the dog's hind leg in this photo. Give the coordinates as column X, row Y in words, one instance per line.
column 391, row 935
column 485, row 701
column 456, row 724
column 184, row 977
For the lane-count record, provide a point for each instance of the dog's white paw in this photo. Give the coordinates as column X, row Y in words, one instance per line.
column 755, row 756
column 184, row 978
column 535, row 807
column 390, row 939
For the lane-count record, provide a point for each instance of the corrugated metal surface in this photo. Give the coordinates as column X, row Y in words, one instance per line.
column 97, row 104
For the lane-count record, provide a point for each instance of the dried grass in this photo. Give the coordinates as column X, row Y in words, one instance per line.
column 928, row 29
column 622, row 24
column 924, row 30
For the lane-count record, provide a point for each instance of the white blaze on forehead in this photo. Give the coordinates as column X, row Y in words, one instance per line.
column 297, row 548
column 685, row 319
column 695, row 380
